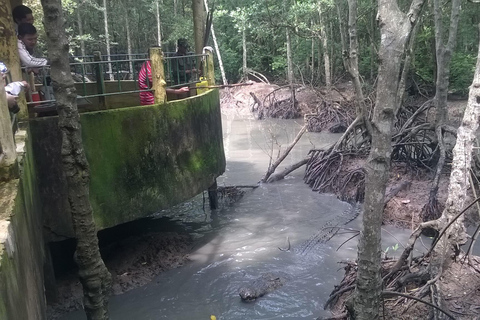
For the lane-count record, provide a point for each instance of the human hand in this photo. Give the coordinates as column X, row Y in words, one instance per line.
column 25, row 85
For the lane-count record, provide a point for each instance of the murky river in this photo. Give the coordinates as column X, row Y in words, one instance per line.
column 239, row 242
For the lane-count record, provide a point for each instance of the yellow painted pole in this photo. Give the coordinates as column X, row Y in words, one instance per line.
column 158, row 75
column 210, row 71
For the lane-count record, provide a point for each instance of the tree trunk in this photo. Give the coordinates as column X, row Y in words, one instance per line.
column 443, row 55
column 107, row 39
column 80, row 31
column 289, row 58
column 341, row 25
column 159, row 29
column 326, row 56
column 94, row 276
column 198, row 24
column 175, row 7
column 312, row 57
column 395, row 29
column 455, row 235
column 217, row 50
column 129, row 46
column 244, row 54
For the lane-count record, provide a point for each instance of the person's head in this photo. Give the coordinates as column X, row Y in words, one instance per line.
column 182, row 46
column 28, row 34
column 22, row 14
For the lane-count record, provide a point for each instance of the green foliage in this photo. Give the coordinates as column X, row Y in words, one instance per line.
column 462, row 69
column 264, row 23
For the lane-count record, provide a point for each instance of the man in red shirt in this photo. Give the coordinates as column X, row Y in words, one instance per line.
column 145, row 83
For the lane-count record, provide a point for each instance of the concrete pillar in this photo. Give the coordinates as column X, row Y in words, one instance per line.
column 8, row 154
column 158, row 75
column 213, row 196
column 210, row 72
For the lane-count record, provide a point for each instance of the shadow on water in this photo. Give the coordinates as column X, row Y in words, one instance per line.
column 236, row 244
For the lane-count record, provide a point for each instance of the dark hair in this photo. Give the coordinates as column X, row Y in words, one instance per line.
column 26, row 28
column 20, row 12
column 182, row 43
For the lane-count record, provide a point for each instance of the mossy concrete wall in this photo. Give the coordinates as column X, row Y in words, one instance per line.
column 142, row 159
column 21, row 243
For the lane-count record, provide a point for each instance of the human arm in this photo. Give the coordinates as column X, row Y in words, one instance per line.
column 27, row 59
column 178, row 91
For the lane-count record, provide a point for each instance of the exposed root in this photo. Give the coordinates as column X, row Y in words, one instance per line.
column 330, row 116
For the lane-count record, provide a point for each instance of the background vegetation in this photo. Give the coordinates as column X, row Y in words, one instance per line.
column 264, row 22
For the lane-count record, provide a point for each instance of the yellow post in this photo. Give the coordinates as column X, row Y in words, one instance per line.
column 210, row 71
column 158, row 75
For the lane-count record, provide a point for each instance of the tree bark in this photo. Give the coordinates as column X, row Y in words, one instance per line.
column 198, row 24
column 455, row 235
column 159, row 26
column 395, row 29
column 107, row 39
column 94, row 276
column 217, row 50
column 443, row 53
column 80, row 30
column 244, row 54
column 129, row 45
column 326, row 56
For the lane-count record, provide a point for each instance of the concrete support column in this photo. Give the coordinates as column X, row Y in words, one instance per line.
column 213, row 196
column 8, row 154
column 158, row 75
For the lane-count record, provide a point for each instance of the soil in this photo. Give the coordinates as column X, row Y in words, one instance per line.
column 136, row 261
column 133, row 262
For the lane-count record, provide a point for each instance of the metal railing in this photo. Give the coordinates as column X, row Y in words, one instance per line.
column 179, row 71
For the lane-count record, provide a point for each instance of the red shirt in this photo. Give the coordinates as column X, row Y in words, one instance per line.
column 144, row 83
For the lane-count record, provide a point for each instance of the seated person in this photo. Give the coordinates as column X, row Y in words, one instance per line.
column 182, row 67
column 22, row 14
column 145, row 83
column 12, row 90
column 27, row 40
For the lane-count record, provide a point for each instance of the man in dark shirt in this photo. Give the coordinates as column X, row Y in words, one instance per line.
column 182, row 66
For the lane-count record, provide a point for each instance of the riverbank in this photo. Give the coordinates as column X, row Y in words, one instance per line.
column 133, row 262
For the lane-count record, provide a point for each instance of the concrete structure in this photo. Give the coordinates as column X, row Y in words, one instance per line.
column 21, row 241
column 142, row 160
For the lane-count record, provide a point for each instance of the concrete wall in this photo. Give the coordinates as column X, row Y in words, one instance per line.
column 142, row 159
column 21, row 244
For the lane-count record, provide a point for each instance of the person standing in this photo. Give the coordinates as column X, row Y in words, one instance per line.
column 145, row 83
column 22, row 14
column 182, row 68
column 27, row 40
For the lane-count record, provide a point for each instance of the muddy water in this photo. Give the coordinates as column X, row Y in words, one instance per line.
column 237, row 243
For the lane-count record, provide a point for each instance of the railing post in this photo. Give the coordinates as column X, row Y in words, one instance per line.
column 8, row 154
column 97, row 57
column 210, row 72
column 158, row 75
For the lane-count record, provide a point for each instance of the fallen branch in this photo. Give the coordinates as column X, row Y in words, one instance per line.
column 274, row 166
column 287, row 170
